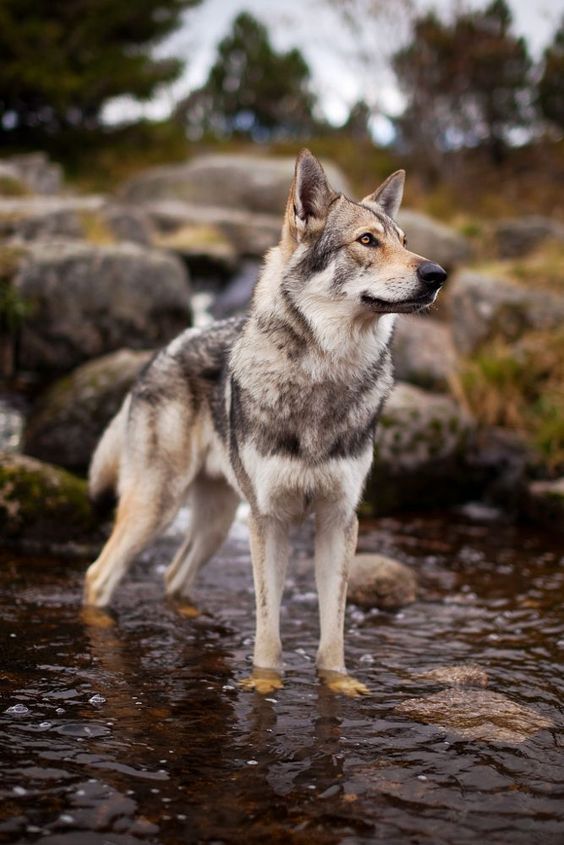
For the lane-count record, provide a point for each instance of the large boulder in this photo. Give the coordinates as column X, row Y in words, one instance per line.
column 420, row 452
column 518, row 236
column 35, row 173
column 41, row 504
column 84, row 301
column 483, row 308
column 434, row 240
column 69, row 418
column 248, row 182
column 423, row 352
column 247, row 233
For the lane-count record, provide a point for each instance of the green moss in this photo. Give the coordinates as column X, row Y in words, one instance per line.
column 520, row 387
column 39, row 500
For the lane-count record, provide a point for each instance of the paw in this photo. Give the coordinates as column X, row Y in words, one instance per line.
column 96, row 591
column 96, row 617
column 343, row 684
column 263, row 681
column 186, row 609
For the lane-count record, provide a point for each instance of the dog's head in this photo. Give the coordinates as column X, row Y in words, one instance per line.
column 353, row 253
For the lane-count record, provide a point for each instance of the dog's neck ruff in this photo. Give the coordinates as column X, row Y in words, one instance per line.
column 322, row 334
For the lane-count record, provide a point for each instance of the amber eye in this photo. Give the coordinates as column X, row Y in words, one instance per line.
column 367, row 240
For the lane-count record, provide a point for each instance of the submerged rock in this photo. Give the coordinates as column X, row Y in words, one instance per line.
column 42, row 503
column 434, row 240
column 70, row 416
column 84, row 301
column 378, row 581
column 420, row 451
column 484, row 308
column 476, row 714
column 423, row 352
column 463, row 675
column 235, row 181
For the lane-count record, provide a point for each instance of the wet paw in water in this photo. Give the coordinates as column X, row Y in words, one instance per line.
column 186, row 609
column 96, row 617
column 343, row 684
column 262, row 681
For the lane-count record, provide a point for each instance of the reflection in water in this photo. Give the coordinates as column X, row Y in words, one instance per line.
column 132, row 726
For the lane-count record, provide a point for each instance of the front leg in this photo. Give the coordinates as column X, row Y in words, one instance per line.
column 335, row 545
column 269, row 553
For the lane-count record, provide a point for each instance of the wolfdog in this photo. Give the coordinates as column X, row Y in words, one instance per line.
column 278, row 407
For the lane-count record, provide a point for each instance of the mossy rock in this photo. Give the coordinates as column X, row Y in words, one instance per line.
column 41, row 503
column 544, row 503
column 72, row 413
column 420, row 453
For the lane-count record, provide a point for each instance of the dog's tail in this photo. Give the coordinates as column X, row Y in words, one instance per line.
column 103, row 474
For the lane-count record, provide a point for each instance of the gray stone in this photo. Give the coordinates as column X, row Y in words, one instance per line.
column 423, row 352
column 378, row 581
column 70, row 416
column 42, row 503
column 205, row 248
column 11, row 183
column 476, row 714
column 85, row 301
column 242, row 182
column 434, row 240
column 127, row 223
column 519, row 236
column 31, row 218
column 88, row 217
column 247, row 233
column 420, row 451
column 37, row 173
column 483, row 308
column 463, row 675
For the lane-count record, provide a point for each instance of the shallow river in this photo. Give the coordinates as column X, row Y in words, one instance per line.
column 133, row 729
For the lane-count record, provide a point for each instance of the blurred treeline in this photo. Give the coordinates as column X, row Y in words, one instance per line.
column 482, row 125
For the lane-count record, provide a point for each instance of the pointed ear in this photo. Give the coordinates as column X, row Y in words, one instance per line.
column 309, row 196
column 389, row 195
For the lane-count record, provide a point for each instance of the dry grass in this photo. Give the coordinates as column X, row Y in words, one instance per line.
column 521, row 387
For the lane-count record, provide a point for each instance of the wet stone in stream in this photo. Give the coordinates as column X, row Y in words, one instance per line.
column 179, row 754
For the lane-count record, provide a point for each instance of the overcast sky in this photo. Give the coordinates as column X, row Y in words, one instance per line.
column 329, row 47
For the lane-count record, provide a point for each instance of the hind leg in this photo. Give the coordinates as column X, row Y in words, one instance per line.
column 141, row 515
column 212, row 509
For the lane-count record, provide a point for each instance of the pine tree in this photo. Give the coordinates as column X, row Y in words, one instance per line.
column 551, row 83
column 62, row 60
column 252, row 89
column 467, row 82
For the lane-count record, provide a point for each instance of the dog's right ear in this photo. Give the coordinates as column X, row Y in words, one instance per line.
column 309, row 199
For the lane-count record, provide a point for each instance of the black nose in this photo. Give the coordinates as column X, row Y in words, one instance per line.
column 432, row 274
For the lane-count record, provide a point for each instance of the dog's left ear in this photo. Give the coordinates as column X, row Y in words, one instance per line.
column 309, row 198
column 389, row 195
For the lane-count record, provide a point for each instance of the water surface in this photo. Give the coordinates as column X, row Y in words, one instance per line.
column 137, row 731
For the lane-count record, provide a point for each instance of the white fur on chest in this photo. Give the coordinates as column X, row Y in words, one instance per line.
column 286, row 487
